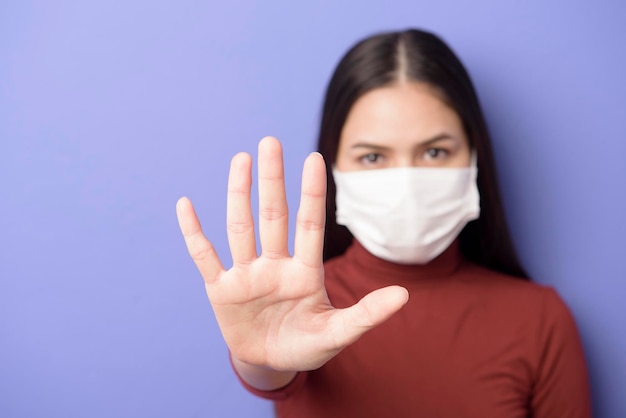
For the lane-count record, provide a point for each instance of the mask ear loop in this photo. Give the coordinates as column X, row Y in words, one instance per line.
column 474, row 159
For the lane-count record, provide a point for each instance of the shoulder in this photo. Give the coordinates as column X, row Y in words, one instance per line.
column 493, row 283
column 536, row 319
column 535, row 305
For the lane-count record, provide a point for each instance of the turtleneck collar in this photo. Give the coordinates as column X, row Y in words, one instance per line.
column 445, row 265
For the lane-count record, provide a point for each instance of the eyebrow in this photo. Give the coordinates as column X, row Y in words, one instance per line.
column 440, row 137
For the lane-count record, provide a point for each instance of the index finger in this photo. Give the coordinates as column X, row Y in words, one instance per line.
column 310, row 222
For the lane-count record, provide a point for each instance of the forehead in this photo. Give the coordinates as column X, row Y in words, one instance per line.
column 400, row 113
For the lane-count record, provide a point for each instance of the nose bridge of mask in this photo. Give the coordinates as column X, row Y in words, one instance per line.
column 415, row 188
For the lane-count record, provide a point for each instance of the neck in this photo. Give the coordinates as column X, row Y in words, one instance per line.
column 440, row 267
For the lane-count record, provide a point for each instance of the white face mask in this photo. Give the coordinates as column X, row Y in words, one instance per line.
column 407, row 215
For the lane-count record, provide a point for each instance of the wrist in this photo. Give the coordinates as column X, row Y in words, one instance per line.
column 261, row 377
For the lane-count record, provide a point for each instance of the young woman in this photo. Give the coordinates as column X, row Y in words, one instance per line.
column 404, row 296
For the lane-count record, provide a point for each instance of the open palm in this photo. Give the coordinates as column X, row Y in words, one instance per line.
column 273, row 309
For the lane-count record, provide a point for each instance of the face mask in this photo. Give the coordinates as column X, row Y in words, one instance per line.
column 407, row 215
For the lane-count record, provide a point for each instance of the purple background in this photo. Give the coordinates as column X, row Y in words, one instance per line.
column 111, row 110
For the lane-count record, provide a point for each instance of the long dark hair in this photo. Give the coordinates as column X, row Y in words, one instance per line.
column 418, row 56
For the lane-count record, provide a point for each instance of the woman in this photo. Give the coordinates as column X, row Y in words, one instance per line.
column 412, row 209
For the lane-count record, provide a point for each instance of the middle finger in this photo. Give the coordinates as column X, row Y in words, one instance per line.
column 273, row 213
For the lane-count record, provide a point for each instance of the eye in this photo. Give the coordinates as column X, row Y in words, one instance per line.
column 371, row 158
column 436, row 153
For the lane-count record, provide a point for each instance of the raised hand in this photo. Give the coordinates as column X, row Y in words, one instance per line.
column 273, row 309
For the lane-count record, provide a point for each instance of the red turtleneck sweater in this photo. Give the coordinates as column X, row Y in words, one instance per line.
column 470, row 342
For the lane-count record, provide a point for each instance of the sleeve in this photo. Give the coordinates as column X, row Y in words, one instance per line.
column 273, row 395
column 561, row 388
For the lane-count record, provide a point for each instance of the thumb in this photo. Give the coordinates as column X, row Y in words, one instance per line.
column 374, row 309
